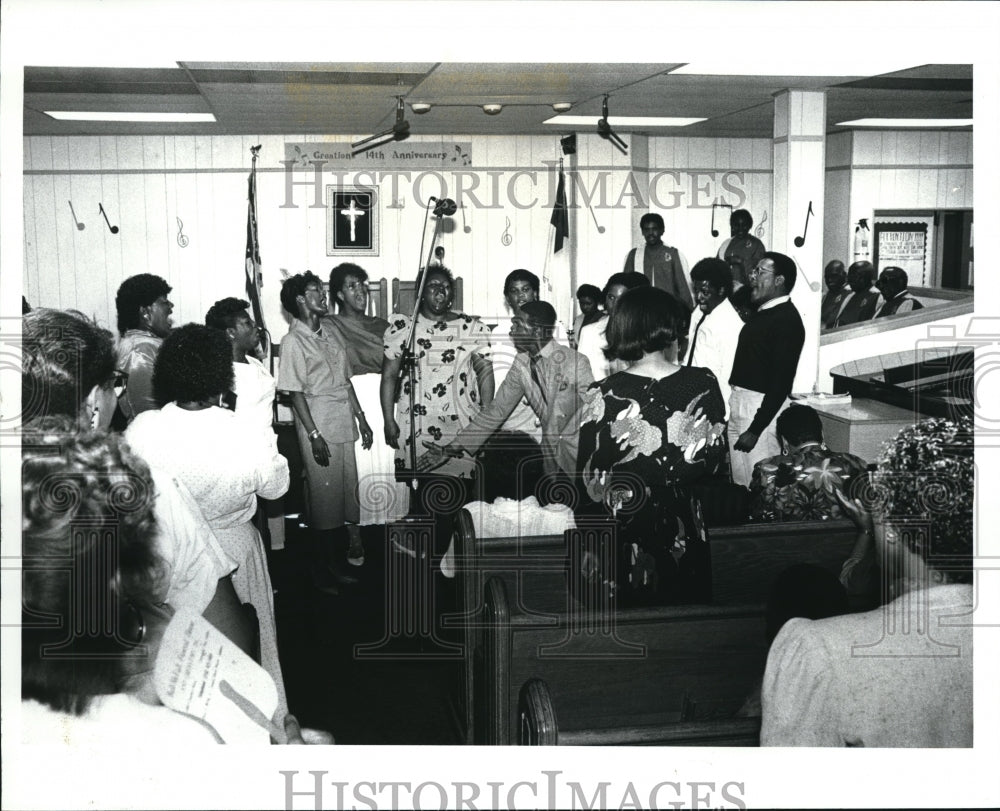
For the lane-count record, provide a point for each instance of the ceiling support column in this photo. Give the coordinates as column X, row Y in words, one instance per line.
column 799, row 150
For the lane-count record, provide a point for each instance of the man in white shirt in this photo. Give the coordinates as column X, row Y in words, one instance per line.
column 717, row 329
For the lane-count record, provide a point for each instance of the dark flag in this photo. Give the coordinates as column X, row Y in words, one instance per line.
column 252, row 265
column 560, row 213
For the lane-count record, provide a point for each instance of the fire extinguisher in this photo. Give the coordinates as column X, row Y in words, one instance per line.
column 861, row 234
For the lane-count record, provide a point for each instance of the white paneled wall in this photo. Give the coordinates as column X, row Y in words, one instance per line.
column 156, row 188
column 894, row 170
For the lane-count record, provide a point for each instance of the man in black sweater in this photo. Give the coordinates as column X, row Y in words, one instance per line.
column 767, row 357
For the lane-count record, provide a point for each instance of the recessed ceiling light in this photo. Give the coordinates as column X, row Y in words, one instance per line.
column 622, row 121
column 88, row 115
column 420, row 107
column 562, row 106
column 492, row 109
column 779, row 67
column 895, row 123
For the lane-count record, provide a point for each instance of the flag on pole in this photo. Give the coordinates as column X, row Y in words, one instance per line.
column 560, row 212
column 252, row 265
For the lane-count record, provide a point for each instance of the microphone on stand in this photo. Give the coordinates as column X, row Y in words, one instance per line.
column 444, row 206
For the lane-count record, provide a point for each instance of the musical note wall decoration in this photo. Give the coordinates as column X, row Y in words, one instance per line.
column 800, row 241
column 466, row 228
column 600, row 228
column 112, row 228
column 506, row 238
column 182, row 239
column 79, row 225
column 760, row 227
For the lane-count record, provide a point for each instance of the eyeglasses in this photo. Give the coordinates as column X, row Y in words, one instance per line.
column 756, row 272
column 132, row 625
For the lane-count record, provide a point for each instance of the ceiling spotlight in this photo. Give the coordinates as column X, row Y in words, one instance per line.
column 492, row 109
column 562, row 106
column 419, row 107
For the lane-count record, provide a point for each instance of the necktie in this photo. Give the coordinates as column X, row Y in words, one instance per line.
column 694, row 339
column 535, row 377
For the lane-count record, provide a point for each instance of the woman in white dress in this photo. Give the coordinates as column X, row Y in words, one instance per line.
column 206, row 447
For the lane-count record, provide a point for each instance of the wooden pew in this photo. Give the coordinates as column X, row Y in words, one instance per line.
column 539, row 726
column 514, row 603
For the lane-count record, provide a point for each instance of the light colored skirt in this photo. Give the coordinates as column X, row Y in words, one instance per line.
column 380, row 497
column 252, row 583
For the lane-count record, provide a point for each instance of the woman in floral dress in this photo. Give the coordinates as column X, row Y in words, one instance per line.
column 454, row 379
column 646, row 434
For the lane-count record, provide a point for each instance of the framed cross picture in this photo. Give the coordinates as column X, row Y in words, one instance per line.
column 351, row 221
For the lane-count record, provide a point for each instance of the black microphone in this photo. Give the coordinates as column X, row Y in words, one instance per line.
column 444, row 206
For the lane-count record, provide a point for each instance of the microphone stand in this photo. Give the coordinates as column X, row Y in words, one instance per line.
column 409, row 366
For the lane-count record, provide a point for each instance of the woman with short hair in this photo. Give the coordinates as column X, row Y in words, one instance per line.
column 205, row 447
column 647, row 433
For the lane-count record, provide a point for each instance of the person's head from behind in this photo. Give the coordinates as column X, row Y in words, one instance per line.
column 652, row 227
column 232, row 316
column 349, row 287
column 892, row 281
column 439, row 291
column 803, row 590
column 647, row 321
column 302, row 295
column 589, row 297
column 87, row 502
column 712, row 283
column 616, row 286
column 774, row 276
column 533, row 325
column 520, row 287
column 798, row 425
column 142, row 303
column 860, row 276
column 68, row 368
column 834, row 275
column 194, row 366
column 740, row 223
column 925, row 487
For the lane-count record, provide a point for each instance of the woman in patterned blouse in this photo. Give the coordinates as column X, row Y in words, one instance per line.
column 453, row 379
column 646, row 434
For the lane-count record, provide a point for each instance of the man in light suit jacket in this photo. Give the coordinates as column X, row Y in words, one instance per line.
column 553, row 379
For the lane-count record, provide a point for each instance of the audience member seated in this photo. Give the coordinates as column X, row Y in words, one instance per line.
column 646, row 435
column 892, row 283
column 143, row 322
column 900, row 675
column 802, row 590
column 68, row 370
column 836, row 291
column 593, row 342
column 801, row 484
column 860, row 303
column 590, row 298
column 205, row 447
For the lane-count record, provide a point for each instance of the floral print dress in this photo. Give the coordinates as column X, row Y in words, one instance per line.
column 447, row 394
column 643, row 441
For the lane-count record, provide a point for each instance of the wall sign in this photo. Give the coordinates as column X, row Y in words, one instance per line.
column 903, row 245
column 352, row 215
column 393, row 155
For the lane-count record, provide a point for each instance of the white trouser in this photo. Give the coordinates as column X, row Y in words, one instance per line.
column 743, row 405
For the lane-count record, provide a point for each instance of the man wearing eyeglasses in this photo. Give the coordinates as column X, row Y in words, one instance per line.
column 767, row 357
